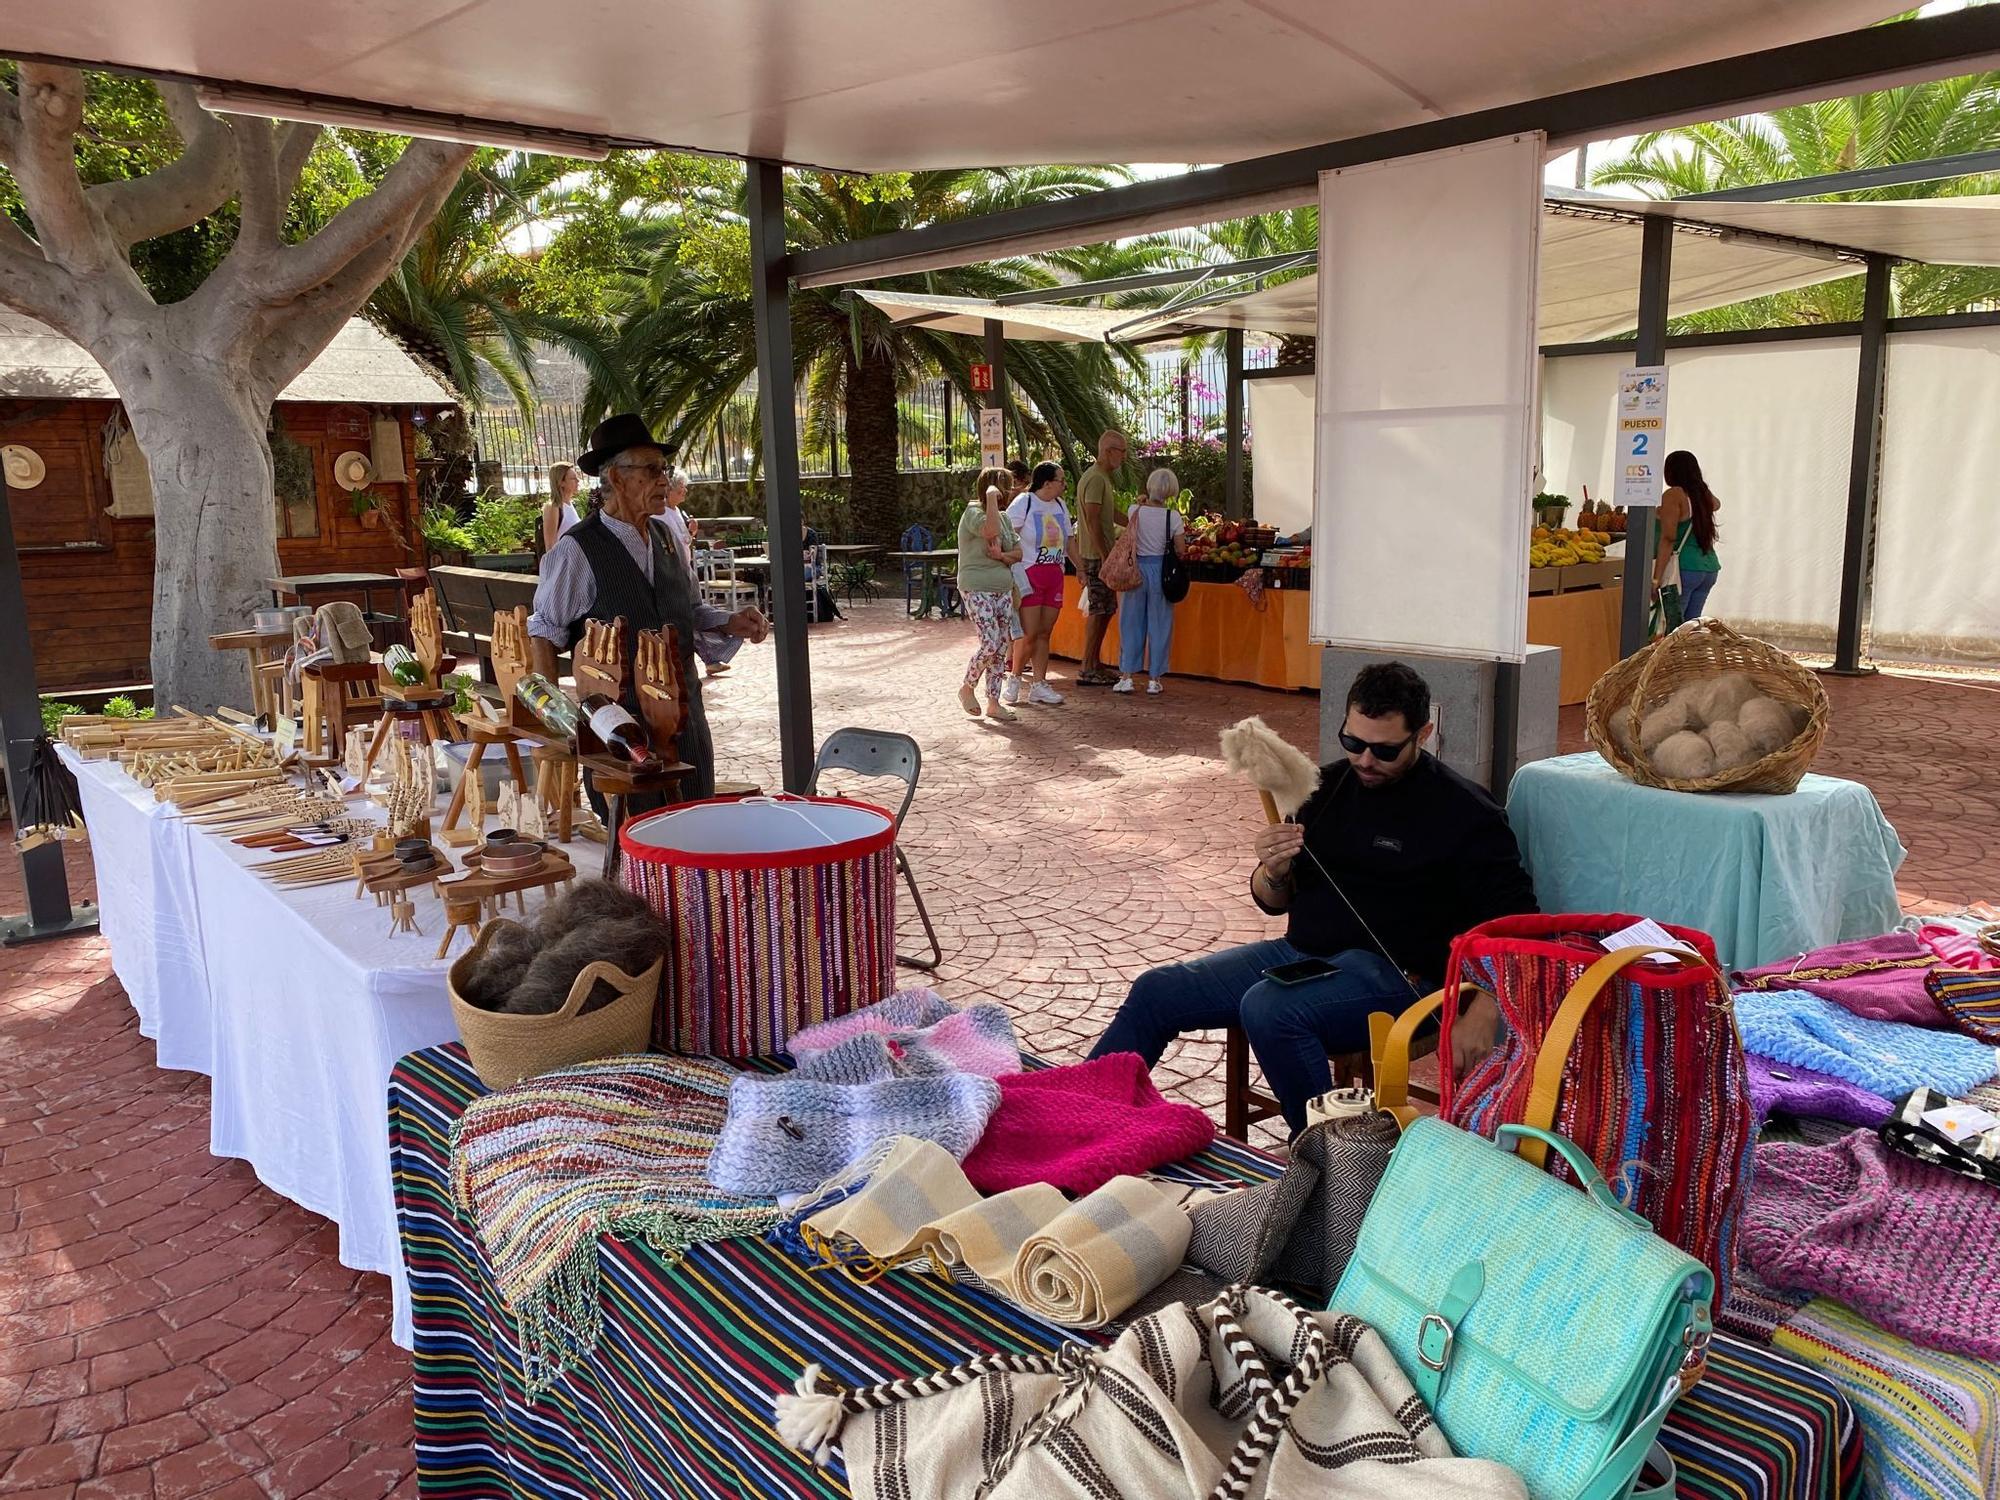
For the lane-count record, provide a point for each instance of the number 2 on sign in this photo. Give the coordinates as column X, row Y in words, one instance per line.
column 1639, row 441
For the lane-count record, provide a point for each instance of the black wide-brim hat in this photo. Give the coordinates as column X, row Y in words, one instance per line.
column 614, row 435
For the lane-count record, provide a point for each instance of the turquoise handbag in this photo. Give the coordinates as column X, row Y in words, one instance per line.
column 1548, row 1329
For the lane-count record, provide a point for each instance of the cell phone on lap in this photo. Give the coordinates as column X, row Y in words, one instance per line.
column 1301, row 971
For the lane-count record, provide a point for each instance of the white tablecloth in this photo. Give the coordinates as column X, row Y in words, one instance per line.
column 295, row 1003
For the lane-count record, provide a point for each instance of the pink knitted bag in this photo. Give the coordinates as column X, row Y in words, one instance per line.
column 1081, row 1125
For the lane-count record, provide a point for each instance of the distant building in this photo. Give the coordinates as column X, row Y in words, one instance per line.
column 85, row 531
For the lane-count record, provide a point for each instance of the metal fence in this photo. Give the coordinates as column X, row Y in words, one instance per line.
column 1174, row 396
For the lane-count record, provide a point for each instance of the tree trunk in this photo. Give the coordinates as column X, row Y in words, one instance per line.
column 872, row 454
column 214, row 518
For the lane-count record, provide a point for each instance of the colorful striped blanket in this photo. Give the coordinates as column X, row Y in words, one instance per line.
column 618, row 1146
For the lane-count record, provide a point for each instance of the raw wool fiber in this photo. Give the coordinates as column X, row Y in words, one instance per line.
column 528, row 971
column 1254, row 750
column 1767, row 723
column 619, row 1147
column 790, row 1133
column 1081, row 1125
column 1721, row 698
column 927, row 1032
column 1684, row 755
column 1915, row 1249
column 1885, row 1057
column 1730, row 745
column 1669, row 719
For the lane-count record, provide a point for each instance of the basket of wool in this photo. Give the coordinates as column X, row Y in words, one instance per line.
column 1706, row 709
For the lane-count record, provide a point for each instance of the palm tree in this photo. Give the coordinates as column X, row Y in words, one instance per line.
column 1915, row 123
column 456, row 301
column 686, row 341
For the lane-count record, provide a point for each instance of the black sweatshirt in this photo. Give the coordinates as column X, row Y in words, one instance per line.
column 1423, row 858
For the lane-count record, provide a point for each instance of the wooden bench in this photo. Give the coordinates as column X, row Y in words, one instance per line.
column 468, row 598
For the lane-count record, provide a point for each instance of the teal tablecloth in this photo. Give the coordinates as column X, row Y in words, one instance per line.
column 1766, row 877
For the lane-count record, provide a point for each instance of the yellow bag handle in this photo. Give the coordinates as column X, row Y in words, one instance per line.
column 1561, row 1036
column 1389, row 1049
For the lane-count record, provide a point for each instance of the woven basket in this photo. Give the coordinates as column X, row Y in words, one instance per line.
column 1702, row 649
column 508, row 1048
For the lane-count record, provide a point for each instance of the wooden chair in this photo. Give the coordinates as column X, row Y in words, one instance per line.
column 1244, row 1106
column 344, row 696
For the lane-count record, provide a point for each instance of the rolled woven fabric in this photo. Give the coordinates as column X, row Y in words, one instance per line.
column 1101, row 1254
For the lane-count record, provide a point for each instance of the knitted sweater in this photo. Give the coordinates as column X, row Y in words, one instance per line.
column 1785, row 1088
column 1082, row 1125
column 1884, row 1057
column 1913, row 1248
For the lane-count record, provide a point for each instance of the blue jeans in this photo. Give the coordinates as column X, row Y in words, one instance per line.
column 1291, row 1027
column 1694, row 592
column 1145, row 625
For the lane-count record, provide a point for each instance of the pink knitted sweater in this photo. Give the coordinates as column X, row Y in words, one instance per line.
column 1081, row 1125
column 1909, row 1245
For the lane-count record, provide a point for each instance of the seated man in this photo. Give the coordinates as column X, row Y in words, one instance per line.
column 1393, row 857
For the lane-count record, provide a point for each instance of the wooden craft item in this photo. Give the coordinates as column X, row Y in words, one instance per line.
column 508, row 651
column 460, row 916
column 427, row 636
column 662, row 693
column 597, row 661
column 356, row 756
column 522, row 811
column 483, row 734
column 403, row 918
column 469, row 798
column 477, row 885
column 556, row 789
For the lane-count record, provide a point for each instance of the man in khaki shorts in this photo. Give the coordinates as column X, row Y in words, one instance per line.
column 1097, row 511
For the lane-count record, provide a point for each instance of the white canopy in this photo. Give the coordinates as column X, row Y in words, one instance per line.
column 1590, row 260
column 888, row 85
column 1036, row 322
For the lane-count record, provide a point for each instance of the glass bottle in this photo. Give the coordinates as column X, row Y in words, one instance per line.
column 622, row 734
column 549, row 704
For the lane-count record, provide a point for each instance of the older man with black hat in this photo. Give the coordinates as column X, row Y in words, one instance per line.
column 616, row 564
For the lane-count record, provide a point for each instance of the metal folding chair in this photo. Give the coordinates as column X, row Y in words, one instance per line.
column 876, row 752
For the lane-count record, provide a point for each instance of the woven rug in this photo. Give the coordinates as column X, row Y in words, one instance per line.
column 617, row 1146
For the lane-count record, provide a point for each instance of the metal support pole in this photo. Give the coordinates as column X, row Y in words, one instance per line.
column 770, row 294
column 1232, row 494
column 1506, row 727
column 1857, row 561
column 49, row 911
column 950, row 444
column 996, row 356
column 1656, row 259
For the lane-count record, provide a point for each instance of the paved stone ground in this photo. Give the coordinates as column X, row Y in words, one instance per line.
column 170, row 1328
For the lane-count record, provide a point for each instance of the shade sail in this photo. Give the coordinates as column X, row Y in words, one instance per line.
column 1590, row 260
column 1041, row 323
column 886, row 84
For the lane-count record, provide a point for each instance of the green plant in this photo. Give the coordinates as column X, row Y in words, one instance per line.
column 122, row 707
column 1548, row 501
column 53, row 713
column 291, row 467
column 442, row 531
column 462, row 684
column 504, row 523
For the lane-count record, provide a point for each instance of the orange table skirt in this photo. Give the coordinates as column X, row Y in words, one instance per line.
column 1585, row 625
column 1219, row 634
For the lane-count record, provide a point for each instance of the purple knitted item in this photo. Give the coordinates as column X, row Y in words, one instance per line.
column 1890, row 986
column 978, row 1039
column 1781, row 1088
column 1911, row 1247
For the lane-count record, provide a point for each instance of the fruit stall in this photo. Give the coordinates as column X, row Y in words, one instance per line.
column 1223, row 629
column 1575, row 591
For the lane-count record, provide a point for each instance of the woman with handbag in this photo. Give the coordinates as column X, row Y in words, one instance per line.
column 1145, row 614
column 1687, row 514
column 987, row 551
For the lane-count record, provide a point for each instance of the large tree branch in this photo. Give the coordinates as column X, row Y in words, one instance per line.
column 296, row 140
column 263, row 204
column 32, row 284
column 41, row 151
column 185, row 191
column 407, row 195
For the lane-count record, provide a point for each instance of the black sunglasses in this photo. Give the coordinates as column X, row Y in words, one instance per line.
column 1384, row 753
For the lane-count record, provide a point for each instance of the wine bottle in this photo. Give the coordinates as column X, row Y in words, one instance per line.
column 622, row 734
column 404, row 668
column 549, row 704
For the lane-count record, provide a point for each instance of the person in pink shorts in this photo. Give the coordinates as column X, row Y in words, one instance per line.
column 1048, row 536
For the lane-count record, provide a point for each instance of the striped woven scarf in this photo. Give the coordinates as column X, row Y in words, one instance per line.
column 617, row 1146
column 1971, row 997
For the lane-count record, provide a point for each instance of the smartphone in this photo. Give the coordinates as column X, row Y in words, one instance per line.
column 1300, row 972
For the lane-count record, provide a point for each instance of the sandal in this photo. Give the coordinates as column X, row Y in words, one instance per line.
column 969, row 701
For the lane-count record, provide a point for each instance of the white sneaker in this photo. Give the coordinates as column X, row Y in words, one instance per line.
column 1041, row 692
column 1122, row 685
column 1010, row 690
column 1155, row 687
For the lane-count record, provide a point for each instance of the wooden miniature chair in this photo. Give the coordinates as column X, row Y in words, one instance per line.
column 344, row 696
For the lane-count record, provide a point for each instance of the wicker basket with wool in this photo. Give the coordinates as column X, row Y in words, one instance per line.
column 506, row 1048
column 1699, row 650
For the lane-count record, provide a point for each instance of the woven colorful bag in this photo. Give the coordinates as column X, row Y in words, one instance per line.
column 1971, row 997
column 1639, row 1063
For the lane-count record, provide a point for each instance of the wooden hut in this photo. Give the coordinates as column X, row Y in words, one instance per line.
column 85, row 531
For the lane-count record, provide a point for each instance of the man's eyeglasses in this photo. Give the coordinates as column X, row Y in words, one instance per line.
column 651, row 471
column 1354, row 745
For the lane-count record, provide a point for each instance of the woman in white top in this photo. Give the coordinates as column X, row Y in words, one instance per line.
column 1047, row 537
column 1145, row 618
column 559, row 511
